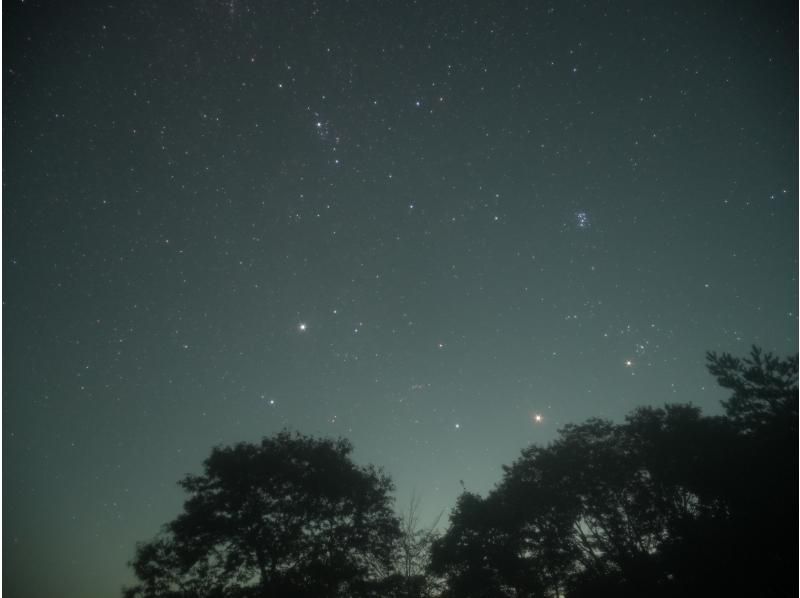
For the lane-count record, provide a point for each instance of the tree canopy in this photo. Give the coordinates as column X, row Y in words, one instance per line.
column 291, row 516
column 667, row 503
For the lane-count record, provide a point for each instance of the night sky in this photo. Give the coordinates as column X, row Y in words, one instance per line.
column 417, row 225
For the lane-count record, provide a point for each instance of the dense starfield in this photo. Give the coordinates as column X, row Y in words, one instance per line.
column 439, row 229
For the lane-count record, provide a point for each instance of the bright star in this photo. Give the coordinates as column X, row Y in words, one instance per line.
column 302, row 326
column 537, row 418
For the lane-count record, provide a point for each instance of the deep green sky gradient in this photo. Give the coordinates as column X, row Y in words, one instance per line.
column 480, row 211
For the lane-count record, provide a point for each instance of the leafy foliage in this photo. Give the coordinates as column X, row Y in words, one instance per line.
column 292, row 516
column 667, row 503
column 764, row 388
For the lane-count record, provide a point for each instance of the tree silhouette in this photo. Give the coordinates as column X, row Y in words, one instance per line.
column 761, row 480
column 764, row 389
column 289, row 517
column 412, row 577
column 667, row 503
column 414, row 551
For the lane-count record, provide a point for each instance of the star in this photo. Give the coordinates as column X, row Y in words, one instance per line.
column 538, row 418
column 302, row 326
